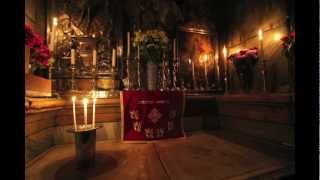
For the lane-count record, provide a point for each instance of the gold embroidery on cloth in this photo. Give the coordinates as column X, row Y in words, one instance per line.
column 149, row 133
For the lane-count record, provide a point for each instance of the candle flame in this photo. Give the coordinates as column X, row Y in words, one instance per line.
column 277, row 36
column 55, row 21
column 224, row 51
column 260, row 34
column 93, row 35
column 85, row 101
column 74, row 98
column 189, row 61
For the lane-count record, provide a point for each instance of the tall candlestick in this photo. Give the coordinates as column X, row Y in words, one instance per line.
column 94, row 113
column 193, row 76
column 94, row 57
column 85, row 110
column 73, row 56
column 53, row 33
column 128, row 44
column 113, row 57
column 226, row 69
column 138, row 51
column 174, row 49
column 260, row 36
column 74, row 112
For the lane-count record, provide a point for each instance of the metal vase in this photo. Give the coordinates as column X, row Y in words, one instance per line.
column 151, row 76
column 85, row 144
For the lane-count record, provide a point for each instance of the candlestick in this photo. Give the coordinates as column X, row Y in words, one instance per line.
column 74, row 112
column 73, row 56
column 94, row 113
column 85, row 109
column 113, row 57
column 53, row 33
column 128, row 44
column 94, row 57
column 260, row 35
column 193, row 76
column 174, row 49
column 225, row 54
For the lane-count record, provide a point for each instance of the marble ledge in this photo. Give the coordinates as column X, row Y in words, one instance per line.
column 257, row 98
column 37, row 105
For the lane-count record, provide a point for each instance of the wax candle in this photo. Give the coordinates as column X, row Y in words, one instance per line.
column 74, row 112
column 94, row 56
column 73, row 56
column 94, row 113
column 85, row 110
column 128, row 44
column 113, row 57
column 53, row 33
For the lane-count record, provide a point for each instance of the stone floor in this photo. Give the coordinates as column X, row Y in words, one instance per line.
column 198, row 156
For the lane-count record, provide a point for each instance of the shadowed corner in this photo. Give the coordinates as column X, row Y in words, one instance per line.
column 104, row 163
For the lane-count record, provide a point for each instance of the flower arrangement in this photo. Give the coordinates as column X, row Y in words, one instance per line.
column 152, row 43
column 40, row 53
column 244, row 62
column 288, row 44
column 245, row 57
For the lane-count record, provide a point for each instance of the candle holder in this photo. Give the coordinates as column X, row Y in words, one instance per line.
column 206, row 76
column 85, row 146
column 175, row 69
column 127, row 80
column 73, row 84
column 139, row 73
column 94, row 76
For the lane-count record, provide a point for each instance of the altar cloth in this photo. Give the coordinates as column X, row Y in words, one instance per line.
column 151, row 115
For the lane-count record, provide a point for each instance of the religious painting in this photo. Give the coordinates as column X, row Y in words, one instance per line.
column 196, row 55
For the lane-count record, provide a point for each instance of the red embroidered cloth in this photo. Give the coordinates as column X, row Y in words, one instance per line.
column 151, row 115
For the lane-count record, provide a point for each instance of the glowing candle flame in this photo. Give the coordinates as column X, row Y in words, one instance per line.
column 55, row 21
column 277, row 36
column 189, row 61
column 260, row 34
column 225, row 52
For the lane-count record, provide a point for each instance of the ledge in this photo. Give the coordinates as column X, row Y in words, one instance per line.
column 257, row 98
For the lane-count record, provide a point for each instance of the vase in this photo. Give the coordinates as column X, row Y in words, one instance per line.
column 152, row 69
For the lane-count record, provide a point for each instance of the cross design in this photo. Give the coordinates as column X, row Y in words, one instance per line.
column 154, row 115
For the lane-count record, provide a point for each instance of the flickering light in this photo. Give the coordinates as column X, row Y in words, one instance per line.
column 205, row 58
column 55, row 21
column 224, row 52
column 93, row 35
column 189, row 60
column 276, row 36
column 260, row 34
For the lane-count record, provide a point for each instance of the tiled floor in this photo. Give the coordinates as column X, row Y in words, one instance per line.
column 199, row 156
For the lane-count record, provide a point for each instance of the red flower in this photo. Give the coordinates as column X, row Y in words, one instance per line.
column 39, row 50
column 285, row 38
column 293, row 34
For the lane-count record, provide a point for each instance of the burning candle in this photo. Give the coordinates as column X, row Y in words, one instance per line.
column 225, row 57
column 260, row 35
column 74, row 112
column 128, row 46
column 113, row 57
column 53, row 33
column 94, row 55
column 85, row 110
column 94, row 112
column 73, row 56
